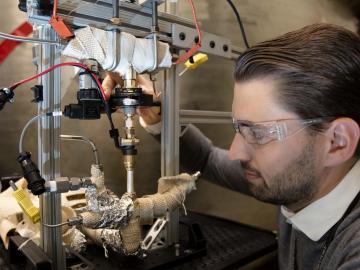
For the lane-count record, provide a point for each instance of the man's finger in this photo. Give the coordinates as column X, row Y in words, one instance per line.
column 116, row 78
column 108, row 84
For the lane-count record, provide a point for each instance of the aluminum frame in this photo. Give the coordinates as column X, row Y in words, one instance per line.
column 136, row 20
column 49, row 146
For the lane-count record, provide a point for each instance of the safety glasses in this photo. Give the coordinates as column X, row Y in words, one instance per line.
column 265, row 132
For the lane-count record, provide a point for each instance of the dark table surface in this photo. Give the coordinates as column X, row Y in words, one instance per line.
column 229, row 245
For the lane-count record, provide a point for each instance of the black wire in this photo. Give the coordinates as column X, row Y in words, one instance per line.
column 239, row 21
column 106, row 105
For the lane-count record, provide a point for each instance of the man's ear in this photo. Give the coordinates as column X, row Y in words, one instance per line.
column 343, row 136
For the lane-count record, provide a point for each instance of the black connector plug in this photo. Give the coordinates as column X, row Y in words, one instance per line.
column 22, row 5
column 89, row 106
column 38, row 93
column 6, row 95
column 36, row 184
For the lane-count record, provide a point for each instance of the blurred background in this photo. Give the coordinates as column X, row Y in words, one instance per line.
column 207, row 88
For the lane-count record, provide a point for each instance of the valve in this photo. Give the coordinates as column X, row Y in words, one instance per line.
column 90, row 104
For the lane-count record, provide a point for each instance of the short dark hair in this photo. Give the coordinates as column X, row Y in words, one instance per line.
column 318, row 68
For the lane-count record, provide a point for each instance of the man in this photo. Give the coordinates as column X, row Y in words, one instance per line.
column 296, row 113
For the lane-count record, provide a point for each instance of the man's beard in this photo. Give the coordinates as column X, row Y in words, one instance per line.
column 295, row 184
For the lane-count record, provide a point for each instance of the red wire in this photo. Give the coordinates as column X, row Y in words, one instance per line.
column 196, row 47
column 61, row 65
column 54, row 9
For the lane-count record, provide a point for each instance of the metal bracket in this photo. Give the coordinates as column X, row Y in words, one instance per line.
column 115, row 49
column 204, row 117
column 153, row 233
column 185, row 37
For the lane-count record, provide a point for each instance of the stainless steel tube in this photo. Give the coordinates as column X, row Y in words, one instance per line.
column 83, row 139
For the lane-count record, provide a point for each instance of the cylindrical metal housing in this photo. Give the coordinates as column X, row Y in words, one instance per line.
column 130, row 78
column 85, row 80
column 129, row 162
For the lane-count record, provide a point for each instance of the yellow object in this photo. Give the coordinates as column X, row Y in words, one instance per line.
column 27, row 206
column 197, row 60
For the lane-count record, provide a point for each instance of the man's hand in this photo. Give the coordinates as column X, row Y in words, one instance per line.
column 110, row 81
column 150, row 115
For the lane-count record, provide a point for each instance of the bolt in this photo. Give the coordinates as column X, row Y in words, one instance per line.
column 182, row 36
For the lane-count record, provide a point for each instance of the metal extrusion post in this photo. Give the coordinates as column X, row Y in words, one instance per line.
column 49, row 147
column 170, row 145
column 170, row 136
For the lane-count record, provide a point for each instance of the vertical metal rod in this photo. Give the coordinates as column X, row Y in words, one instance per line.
column 154, row 16
column 154, row 32
column 115, row 8
column 130, row 188
column 49, row 148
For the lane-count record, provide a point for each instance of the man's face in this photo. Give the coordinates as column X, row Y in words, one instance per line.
column 280, row 172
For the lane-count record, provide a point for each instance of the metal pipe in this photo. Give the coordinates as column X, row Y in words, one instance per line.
column 130, row 188
column 129, row 162
column 84, row 139
column 31, row 40
column 154, row 16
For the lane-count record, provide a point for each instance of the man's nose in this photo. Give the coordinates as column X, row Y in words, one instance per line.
column 239, row 149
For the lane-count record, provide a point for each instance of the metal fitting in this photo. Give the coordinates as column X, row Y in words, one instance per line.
column 65, row 184
column 130, row 78
column 73, row 221
column 116, row 21
column 129, row 162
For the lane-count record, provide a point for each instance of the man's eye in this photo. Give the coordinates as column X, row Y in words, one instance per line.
column 258, row 132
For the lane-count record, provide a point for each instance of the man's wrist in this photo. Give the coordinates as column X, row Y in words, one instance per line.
column 154, row 129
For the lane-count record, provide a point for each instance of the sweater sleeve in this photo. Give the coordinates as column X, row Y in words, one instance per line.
column 197, row 153
column 351, row 254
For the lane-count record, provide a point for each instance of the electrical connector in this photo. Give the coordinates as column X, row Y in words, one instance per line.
column 25, row 203
column 6, row 95
column 36, row 184
column 194, row 62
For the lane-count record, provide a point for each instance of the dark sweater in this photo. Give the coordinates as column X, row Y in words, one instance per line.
column 198, row 153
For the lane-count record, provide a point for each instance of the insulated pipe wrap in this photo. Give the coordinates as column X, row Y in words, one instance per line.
column 131, row 236
column 91, row 219
column 171, row 194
